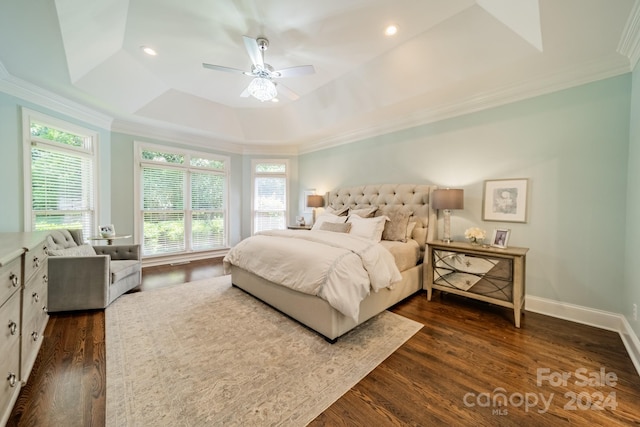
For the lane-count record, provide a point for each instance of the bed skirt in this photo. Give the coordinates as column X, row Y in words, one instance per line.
column 315, row 312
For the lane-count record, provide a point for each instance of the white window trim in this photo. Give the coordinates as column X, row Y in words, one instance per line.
column 255, row 162
column 187, row 255
column 27, row 117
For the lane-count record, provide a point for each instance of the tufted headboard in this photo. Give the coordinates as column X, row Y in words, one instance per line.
column 416, row 197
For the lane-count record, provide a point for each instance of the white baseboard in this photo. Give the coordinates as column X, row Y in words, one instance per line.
column 589, row 316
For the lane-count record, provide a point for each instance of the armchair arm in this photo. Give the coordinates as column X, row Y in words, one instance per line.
column 78, row 283
column 119, row 252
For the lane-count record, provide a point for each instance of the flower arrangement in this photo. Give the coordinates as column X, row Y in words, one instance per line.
column 475, row 234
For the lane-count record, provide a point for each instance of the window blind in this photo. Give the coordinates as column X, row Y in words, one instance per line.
column 270, row 196
column 62, row 189
column 163, row 214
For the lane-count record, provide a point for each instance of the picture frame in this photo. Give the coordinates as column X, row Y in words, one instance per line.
column 107, row 230
column 505, row 200
column 308, row 192
column 500, row 238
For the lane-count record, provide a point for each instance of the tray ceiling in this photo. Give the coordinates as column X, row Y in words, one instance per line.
column 449, row 57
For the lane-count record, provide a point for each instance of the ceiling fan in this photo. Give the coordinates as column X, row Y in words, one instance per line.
column 262, row 86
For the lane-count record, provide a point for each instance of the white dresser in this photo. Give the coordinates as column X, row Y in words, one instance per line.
column 23, row 311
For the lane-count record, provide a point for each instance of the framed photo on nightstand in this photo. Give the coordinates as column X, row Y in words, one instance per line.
column 500, row 237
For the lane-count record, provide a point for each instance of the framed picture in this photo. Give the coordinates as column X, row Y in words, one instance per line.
column 309, row 192
column 107, row 230
column 505, row 200
column 500, row 237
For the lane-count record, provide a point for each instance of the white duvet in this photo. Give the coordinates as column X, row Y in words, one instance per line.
column 338, row 267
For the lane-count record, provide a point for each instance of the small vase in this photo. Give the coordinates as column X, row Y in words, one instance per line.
column 475, row 241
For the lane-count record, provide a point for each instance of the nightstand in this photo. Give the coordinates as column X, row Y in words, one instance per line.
column 480, row 272
column 299, row 227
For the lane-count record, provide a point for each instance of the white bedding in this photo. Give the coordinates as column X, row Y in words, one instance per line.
column 338, row 267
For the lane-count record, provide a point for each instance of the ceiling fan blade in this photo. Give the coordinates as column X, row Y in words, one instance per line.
column 300, row 70
column 254, row 51
column 245, row 93
column 282, row 89
column 221, row 68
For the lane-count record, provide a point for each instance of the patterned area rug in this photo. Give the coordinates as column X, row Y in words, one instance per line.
column 206, row 353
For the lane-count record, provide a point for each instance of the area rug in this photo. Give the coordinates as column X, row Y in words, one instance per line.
column 206, row 353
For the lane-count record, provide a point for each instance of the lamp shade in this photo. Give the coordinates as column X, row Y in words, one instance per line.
column 449, row 198
column 315, row 201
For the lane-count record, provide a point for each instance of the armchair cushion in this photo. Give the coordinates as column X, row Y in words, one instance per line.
column 82, row 250
column 122, row 269
column 62, row 239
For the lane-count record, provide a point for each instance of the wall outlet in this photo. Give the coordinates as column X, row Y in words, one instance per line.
column 635, row 311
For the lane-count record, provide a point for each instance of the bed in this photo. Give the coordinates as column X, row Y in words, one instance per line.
column 390, row 201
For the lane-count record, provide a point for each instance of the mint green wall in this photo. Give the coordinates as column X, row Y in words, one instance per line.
column 123, row 182
column 631, row 291
column 11, row 173
column 573, row 147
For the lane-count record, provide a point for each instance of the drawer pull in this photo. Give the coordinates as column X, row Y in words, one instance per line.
column 44, row 308
column 13, row 327
column 12, row 379
column 14, row 280
column 36, row 262
column 35, row 335
column 36, row 297
column 45, row 278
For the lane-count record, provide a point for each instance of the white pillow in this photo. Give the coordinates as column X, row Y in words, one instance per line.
column 327, row 217
column 369, row 228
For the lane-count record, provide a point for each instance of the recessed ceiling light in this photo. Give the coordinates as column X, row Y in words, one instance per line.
column 148, row 50
column 391, row 30
column 275, row 100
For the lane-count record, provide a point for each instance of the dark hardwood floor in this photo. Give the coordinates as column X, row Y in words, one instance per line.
column 457, row 370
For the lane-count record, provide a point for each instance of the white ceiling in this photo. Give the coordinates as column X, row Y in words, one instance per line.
column 449, row 57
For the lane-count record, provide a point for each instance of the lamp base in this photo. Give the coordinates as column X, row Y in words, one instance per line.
column 446, row 235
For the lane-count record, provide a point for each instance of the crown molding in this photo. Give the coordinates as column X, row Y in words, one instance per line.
column 629, row 45
column 587, row 72
column 150, row 128
column 3, row 72
column 31, row 93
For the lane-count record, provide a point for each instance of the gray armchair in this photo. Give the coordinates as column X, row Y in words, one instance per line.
column 84, row 277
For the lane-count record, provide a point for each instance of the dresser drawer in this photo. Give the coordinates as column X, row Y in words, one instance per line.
column 9, row 323
column 34, row 322
column 34, row 259
column 9, row 381
column 39, row 277
column 10, row 279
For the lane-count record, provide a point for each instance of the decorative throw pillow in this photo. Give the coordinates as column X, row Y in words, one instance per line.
column 396, row 228
column 364, row 212
column 338, row 227
column 410, row 226
column 82, row 250
column 369, row 228
column 339, row 212
column 326, row 217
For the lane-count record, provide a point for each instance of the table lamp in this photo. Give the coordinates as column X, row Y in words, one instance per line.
column 314, row 201
column 445, row 200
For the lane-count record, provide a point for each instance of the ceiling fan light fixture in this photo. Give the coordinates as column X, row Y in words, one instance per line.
column 262, row 89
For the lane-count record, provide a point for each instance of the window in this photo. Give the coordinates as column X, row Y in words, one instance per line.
column 269, row 194
column 60, row 174
column 183, row 201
